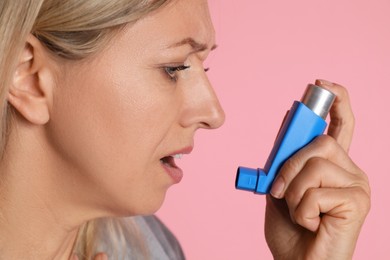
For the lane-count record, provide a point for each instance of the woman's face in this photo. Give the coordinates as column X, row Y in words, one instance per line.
column 119, row 116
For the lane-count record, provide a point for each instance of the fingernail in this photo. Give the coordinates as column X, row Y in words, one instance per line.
column 324, row 82
column 277, row 188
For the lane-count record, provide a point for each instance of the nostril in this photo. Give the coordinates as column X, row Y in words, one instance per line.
column 215, row 119
column 205, row 125
column 218, row 117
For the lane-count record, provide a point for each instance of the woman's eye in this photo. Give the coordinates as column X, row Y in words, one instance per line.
column 172, row 71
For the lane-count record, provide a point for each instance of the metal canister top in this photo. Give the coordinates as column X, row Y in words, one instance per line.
column 318, row 99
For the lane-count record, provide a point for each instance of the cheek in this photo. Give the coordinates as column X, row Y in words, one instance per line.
column 109, row 129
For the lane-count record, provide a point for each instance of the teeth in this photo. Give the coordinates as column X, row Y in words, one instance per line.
column 177, row 156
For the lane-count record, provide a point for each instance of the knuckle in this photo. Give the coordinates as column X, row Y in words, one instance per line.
column 341, row 91
column 360, row 200
column 363, row 182
column 299, row 217
column 364, row 199
column 326, row 143
column 311, row 194
column 367, row 187
column 294, row 198
column 314, row 163
column 343, row 96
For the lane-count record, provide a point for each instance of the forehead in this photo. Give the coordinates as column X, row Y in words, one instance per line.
column 178, row 20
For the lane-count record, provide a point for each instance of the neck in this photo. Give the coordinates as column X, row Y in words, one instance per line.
column 39, row 215
column 22, row 239
column 31, row 230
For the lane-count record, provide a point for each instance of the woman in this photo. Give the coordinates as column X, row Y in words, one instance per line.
column 99, row 98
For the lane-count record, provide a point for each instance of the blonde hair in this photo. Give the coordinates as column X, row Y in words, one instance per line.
column 119, row 238
column 70, row 29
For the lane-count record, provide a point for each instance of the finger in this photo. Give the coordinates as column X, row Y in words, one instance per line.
column 277, row 217
column 340, row 207
column 324, row 147
column 319, row 173
column 342, row 121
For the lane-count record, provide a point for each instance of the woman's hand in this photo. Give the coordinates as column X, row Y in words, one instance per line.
column 323, row 196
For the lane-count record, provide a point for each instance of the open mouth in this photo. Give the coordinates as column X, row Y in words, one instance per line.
column 169, row 164
column 170, row 160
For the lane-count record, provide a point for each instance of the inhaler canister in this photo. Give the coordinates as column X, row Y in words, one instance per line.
column 304, row 122
column 318, row 99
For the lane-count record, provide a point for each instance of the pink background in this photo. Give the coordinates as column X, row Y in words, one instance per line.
column 268, row 51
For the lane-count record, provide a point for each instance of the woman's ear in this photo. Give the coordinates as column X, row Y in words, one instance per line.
column 31, row 90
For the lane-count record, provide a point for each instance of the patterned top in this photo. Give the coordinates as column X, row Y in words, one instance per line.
column 159, row 242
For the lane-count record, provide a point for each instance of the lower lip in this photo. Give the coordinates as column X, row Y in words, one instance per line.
column 174, row 172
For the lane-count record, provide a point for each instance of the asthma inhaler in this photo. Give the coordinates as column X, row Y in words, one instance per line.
column 304, row 122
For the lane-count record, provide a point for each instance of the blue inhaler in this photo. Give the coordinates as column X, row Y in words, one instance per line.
column 304, row 122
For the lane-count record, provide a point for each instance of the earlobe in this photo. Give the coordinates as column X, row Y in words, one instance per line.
column 31, row 90
column 34, row 109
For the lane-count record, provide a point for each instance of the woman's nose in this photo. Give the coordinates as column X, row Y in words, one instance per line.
column 202, row 107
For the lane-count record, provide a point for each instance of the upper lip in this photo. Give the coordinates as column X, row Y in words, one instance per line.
column 185, row 150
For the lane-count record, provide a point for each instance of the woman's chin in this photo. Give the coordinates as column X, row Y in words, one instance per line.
column 147, row 207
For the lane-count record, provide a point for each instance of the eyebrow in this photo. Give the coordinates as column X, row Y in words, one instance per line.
column 196, row 46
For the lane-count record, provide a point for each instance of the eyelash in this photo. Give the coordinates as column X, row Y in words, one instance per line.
column 171, row 71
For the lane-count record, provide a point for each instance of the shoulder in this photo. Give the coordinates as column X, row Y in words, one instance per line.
column 156, row 232
column 140, row 237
